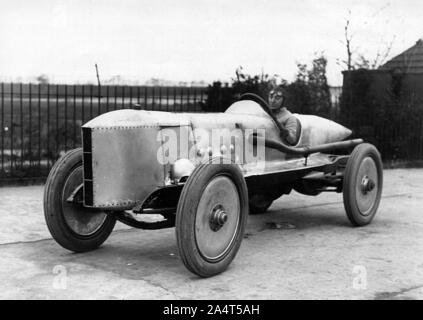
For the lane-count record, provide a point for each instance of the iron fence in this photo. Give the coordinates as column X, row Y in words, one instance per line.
column 39, row 122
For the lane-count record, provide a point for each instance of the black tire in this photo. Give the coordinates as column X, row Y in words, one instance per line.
column 63, row 218
column 362, row 185
column 204, row 189
column 259, row 203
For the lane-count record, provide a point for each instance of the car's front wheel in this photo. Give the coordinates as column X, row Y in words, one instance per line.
column 211, row 218
column 72, row 225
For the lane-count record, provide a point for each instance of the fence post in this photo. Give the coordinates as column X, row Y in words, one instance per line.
column 91, row 101
column 201, row 98
column 168, row 93
column 48, row 127
column 2, row 127
column 107, row 98
column 182, row 98
column 66, row 117
column 57, row 122
column 39, row 127
column 138, row 97
column 123, row 97
column 115, row 104
column 74, row 117
column 99, row 99
column 160, row 99
column 22, row 125
column 153, row 98
column 11, row 128
column 145, row 98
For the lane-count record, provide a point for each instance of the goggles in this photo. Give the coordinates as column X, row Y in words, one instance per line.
column 275, row 94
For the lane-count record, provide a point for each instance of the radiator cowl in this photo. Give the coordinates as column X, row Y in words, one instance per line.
column 88, row 166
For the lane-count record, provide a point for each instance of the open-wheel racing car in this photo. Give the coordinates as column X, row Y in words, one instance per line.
column 202, row 173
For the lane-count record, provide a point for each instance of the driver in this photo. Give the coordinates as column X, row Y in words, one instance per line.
column 287, row 119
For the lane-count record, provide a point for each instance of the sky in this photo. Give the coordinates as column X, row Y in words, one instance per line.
column 194, row 40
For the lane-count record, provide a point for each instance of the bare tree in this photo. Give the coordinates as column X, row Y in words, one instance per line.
column 354, row 58
column 347, row 43
column 382, row 55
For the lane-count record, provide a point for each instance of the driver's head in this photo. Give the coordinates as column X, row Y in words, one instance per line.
column 276, row 98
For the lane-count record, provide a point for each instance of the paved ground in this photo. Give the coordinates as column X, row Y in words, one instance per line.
column 304, row 248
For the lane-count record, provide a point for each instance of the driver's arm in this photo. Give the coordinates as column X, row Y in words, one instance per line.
column 291, row 130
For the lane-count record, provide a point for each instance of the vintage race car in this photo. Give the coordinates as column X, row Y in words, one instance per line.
column 202, row 173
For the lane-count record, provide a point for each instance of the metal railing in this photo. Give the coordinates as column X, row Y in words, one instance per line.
column 39, row 122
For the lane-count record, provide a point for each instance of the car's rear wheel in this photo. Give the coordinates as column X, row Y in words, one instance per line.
column 72, row 225
column 362, row 185
column 211, row 218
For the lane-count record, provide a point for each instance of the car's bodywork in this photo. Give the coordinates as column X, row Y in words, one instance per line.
column 202, row 173
column 121, row 168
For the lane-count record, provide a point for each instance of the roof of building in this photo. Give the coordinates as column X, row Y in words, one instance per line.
column 410, row 61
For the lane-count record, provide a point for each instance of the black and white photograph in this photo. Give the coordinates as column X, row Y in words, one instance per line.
column 211, row 150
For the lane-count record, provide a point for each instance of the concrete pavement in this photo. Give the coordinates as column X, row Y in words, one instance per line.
column 304, row 248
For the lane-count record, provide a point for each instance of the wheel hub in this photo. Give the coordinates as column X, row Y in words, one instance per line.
column 218, row 217
column 367, row 185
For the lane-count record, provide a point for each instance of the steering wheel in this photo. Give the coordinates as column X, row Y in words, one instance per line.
column 265, row 106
